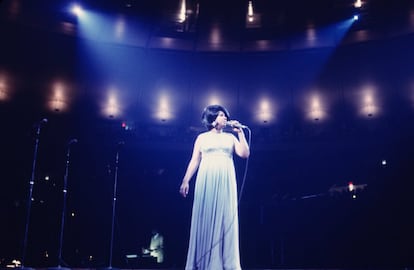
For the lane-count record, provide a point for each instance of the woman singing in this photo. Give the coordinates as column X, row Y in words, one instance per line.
column 214, row 234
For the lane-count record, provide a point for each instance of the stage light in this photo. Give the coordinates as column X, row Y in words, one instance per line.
column 316, row 109
column 250, row 14
column 182, row 14
column 164, row 110
column 351, row 187
column 111, row 108
column 214, row 100
column 265, row 114
column 369, row 107
column 311, row 34
column 356, row 17
column 384, row 162
column 250, row 9
column 57, row 101
column 14, row 264
column 358, row 4
column 215, row 35
column 127, row 125
column 3, row 88
column 77, row 10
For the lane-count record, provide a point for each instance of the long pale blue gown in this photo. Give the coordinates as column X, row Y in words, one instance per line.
column 214, row 234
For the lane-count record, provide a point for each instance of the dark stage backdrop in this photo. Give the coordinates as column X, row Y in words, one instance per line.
column 289, row 214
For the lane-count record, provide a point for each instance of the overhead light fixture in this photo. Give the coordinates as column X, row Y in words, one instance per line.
column 316, row 109
column 250, row 14
column 164, row 109
column 253, row 19
column 265, row 114
column 111, row 107
column 58, row 98
column 182, row 14
column 369, row 103
column 358, row 4
column 3, row 89
column 77, row 10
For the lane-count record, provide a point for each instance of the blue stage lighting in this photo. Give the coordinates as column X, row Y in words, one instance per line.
column 356, row 17
column 77, row 10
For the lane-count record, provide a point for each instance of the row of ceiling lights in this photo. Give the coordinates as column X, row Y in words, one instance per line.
column 265, row 112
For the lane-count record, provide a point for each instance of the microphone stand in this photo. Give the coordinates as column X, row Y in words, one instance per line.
column 114, row 205
column 62, row 224
column 29, row 201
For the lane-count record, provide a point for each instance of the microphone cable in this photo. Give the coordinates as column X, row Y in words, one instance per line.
column 249, row 138
column 249, row 141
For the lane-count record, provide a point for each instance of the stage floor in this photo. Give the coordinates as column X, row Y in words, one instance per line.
column 371, row 268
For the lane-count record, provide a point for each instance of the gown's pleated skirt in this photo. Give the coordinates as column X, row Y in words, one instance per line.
column 214, row 239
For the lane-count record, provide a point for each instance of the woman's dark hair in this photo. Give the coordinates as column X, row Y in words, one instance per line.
column 210, row 114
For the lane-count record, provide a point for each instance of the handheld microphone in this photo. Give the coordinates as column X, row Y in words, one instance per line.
column 235, row 124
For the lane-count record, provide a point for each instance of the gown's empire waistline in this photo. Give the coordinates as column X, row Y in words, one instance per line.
column 217, row 154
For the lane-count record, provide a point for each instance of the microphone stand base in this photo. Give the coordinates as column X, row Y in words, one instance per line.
column 25, row 268
column 107, row 268
column 58, row 268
